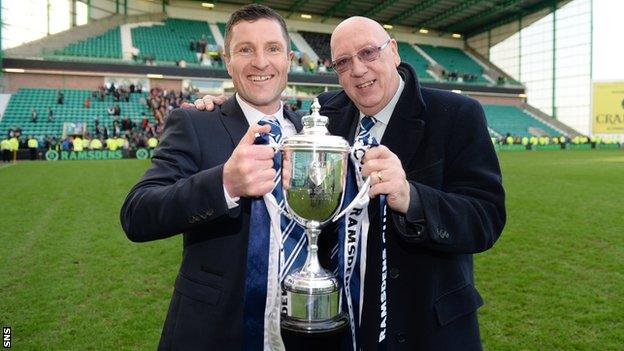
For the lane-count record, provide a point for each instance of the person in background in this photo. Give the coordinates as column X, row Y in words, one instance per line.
column 5, row 148
column 33, row 145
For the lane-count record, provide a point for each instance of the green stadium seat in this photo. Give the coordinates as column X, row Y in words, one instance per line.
column 510, row 119
column 455, row 60
column 107, row 45
column 411, row 56
column 170, row 41
column 17, row 113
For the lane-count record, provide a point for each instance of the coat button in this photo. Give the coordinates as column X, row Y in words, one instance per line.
column 394, row 273
column 401, row 338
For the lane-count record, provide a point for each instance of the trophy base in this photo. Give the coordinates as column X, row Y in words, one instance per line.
column 327, row 327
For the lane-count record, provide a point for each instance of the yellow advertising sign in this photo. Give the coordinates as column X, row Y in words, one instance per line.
column 608, row 108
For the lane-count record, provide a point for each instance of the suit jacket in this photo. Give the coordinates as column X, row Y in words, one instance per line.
column 457, row 209
column 182, row 192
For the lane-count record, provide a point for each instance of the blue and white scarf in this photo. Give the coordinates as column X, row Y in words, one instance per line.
column 271, row 241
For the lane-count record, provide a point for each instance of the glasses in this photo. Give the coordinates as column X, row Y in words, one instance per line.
column 366, row 54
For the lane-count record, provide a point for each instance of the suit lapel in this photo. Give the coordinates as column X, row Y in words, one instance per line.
column 405, row 128
column 343, row 121
column 294, row 118
column 234, row 120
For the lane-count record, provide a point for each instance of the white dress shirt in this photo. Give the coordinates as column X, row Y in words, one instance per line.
column 383, row 116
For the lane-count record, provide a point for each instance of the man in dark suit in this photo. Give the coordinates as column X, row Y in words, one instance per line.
column 204, row 174
column 440, row 173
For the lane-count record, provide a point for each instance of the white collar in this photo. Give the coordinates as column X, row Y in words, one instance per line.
column 384, row 115
column 253, row 115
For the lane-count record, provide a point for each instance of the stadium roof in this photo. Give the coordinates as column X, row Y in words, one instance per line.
column 466, row 17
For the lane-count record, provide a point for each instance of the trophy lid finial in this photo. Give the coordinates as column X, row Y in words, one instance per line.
column 316, row 107
column 315, row 123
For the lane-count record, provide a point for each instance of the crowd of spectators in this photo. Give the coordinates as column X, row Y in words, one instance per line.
column 207, row 54
column 509, row 139
column 301, row 63
column 117, row 131
column 456, row 76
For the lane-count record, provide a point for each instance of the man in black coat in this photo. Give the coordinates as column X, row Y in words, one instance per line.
column 204, row 174
column 440, row 173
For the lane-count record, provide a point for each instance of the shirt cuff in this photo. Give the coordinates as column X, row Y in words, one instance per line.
column 231, row 202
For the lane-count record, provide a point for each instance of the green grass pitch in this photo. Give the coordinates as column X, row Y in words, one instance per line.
column 72, row 281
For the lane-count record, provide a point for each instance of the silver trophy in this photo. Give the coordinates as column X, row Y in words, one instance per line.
column 314, row 169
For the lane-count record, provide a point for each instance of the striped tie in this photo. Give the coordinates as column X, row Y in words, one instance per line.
column 293, row 236
column 364, row 136
column 259, row 246
column 366, row 124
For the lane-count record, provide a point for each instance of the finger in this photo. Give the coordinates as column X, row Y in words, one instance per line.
column 264, row 175
column 250, row 136
column 210, row 106
column 260, row 152
column 254, row 175
column 264, row 184
column 377, row 153
column 199, row 104
column 250, row 165
column 219, row 100
column 384, row 188
column 187, row 105
column 208, row 102
column 263, row 164
column 265, row 187
column 372, row 166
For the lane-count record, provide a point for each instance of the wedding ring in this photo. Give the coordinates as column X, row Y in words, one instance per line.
column 379, row 176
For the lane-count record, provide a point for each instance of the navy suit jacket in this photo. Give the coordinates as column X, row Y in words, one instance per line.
column 182, row 192
column 457, row 209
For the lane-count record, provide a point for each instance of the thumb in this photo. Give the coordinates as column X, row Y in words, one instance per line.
column 250, row 136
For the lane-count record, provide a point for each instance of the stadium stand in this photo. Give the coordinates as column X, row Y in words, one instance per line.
column 508, row 119
column 107, row 45
column 411, row 56
column 221, row 27
column 18, row 112
column 455, row 61
column 170, row 42
column 319, row 42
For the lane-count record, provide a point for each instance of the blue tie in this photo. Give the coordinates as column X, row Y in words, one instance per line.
column 293, row 240
column 364, row 136
column 366, row 124
column 293, row 236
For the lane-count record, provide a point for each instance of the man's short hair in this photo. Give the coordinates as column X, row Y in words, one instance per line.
column 252, row 13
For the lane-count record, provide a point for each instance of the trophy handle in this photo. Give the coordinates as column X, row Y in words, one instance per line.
column 363, row 192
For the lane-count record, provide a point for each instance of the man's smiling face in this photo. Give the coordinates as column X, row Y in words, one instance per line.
column 258, row 62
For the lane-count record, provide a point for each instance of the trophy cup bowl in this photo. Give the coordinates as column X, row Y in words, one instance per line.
column 314, row 168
